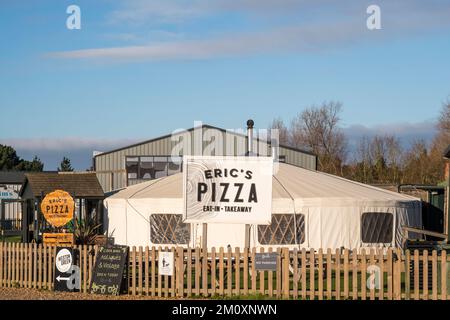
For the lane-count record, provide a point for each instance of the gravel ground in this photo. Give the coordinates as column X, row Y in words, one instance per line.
column 35, row 294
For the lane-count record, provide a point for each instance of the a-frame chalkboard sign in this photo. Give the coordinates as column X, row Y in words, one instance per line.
column 110, row 274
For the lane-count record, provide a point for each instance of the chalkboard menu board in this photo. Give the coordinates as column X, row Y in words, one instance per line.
column 110, row 271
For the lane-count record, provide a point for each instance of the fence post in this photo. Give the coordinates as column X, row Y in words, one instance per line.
column 434, row 272
column 407, row 275
column 237, row 275
column 312, row 275
column 443, row 275
column 285, row 273
column 180, row 271
column 320, row 274
column 398, row 276
column 1, row 264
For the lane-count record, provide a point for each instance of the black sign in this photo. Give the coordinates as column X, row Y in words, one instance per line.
column 67, row 271
column 110, row 274
column 266, row 261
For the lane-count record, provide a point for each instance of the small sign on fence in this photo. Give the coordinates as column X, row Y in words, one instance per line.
column 59, row 239
column 67, row 272
column 110, row 274
column 165, row 263
column 266, row 261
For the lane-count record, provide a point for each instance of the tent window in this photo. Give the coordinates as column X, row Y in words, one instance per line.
column 169, row 229
column 284, row 229
column 377, row 227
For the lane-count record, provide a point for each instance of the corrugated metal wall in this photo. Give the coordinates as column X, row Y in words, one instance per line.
column 110, row 167
column 13, row 210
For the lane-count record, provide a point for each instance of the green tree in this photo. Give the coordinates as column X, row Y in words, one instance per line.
column 65, row 165
column 9, row 160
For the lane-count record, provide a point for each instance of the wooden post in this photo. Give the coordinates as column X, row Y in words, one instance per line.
column 172, row 278
column 133, row 271
column 245, row 271
column 407, row 275
column 253, row 274
column 372, row 263
column 295, row 276
column 434, row 273
column 285, row 273
column 153, row 266
column 1, row 264
column 197, row 271
column 221, row 272
column 189, row 272
column 320, row 275
column 443, row 275
column 213, row 271
column 311, row 275
column 146, row 270
column 338, row 274
column 237, row 274
column 205, row 270
column 398, row 276
column 354, row 275
column 180, row 273
column 329, row 275
column 363, row 275
column 270, row 279
column 229, row 273
column 389, row 272
column 346, row 270
column 416, row 275
column 381, row 265
column 140, row 270
column 278, row 273
column 261, row 278
column 205, row 237
column 425, row 274
column 303, row 267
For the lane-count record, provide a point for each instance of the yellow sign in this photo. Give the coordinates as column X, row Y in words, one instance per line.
column 58, row 207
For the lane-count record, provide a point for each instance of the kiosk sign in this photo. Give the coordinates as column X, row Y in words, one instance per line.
column 58, row 207
column 227, row 189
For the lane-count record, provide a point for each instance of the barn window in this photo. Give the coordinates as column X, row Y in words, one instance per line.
column 377, row 227
column 152, row 167
column 132, row 167
column 284, row 229
column 169, row 229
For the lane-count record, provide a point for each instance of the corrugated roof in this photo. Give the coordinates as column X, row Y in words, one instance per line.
column 80, row 185
column 12, row 177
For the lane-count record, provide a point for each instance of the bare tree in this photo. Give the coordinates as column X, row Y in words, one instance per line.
column 283, row 132
column 318, row 129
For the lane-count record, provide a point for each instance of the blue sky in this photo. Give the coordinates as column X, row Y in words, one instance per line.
column 139, row 69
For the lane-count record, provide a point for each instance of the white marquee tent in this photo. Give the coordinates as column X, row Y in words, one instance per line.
column 309, row 209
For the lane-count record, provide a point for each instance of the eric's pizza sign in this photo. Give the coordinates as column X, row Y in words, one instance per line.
column 227, row 189
column 58, row 208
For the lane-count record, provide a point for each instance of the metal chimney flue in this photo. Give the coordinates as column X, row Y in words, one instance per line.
column 250, row 124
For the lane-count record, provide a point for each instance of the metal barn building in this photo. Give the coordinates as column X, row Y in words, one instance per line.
column 154, row 158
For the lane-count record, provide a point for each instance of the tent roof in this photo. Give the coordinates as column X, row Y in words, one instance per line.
column 289, row 183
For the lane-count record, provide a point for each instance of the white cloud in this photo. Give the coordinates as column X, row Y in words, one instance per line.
column 320, row 26
column 407, row 132
column 64, row 144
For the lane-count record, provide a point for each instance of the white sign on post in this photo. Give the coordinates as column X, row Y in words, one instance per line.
column 227, row 189
column 165, row 263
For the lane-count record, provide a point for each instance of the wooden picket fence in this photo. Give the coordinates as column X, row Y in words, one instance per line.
column 300, row 274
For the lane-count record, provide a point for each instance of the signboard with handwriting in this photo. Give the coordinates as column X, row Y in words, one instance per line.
column 109, row 276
